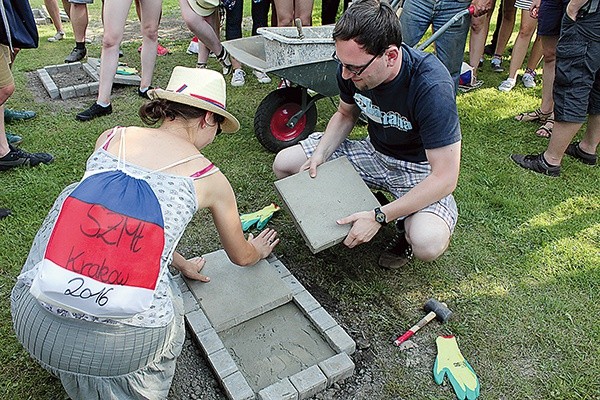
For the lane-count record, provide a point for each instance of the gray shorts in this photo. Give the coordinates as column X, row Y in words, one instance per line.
column 96, row 361
column 577, row 81
column 387, row 173
column 81, row 1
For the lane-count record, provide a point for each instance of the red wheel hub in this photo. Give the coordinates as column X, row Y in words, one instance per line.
column 280, row 118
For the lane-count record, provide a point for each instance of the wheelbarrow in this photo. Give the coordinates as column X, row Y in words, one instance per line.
column 302, row 56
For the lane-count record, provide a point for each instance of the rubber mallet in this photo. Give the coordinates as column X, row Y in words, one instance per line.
column 436, row 310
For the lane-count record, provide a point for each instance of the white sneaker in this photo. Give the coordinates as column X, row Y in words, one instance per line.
column 238, row 78
column 225, row 61
column 58, row 36
column 528, row 79
column 262, row 77
column 507, row 85
column 192, row 48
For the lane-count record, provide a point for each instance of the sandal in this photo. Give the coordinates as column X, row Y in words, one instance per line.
column 545, row 130
column 533, row 116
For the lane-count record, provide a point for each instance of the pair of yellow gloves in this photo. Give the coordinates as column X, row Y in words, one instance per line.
column 450, row 362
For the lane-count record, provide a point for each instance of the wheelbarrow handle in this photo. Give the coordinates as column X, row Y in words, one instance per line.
column 443, row 28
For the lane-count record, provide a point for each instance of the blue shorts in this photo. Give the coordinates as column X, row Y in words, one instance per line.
column 577, row 82
column 550, row 16
column 383, row 172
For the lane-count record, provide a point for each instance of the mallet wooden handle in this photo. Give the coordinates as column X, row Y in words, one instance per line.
column 424, row 321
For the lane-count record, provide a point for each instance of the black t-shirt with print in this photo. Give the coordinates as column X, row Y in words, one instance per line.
column 413, row 112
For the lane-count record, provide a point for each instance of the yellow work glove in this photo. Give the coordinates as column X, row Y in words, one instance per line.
column 125, row 70
column 260, row 218
column 450, row 361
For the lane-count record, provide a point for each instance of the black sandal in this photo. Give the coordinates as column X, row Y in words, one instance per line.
column 533, row 116
column 545, row 130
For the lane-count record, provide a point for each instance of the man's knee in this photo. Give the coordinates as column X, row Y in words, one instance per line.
column 428, row 236
column 288, row 161
column 429, row 251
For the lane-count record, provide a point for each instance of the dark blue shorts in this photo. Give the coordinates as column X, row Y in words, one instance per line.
column 550, row 16
column 577, row 81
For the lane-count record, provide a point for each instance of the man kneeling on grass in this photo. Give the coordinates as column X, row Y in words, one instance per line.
column 413, row 147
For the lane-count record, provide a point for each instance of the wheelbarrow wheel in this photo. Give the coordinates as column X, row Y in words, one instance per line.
column 273, row 114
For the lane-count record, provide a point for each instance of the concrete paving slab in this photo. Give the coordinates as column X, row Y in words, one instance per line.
column 340, row 340
column 237, row 388
column 317, row 203
column 309, row 382
column 222, row 363
column 282, row 390
column 198, row 321
column 337, row 368
column 306, row 301
column 236, row 294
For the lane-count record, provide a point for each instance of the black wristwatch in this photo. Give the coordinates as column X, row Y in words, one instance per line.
column 380, row 216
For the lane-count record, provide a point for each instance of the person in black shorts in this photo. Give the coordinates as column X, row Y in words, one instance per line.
column 549, row 14
column 576, row 91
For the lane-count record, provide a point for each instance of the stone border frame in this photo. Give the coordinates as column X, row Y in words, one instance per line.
column 91, row 68
column 68, row 92
column 301, row 385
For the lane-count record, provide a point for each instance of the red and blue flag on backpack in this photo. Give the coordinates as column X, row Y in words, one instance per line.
column 104, row 254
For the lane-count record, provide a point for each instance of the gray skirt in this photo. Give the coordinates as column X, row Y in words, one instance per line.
column 100, row 361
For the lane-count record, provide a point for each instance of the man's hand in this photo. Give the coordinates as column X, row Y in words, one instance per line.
column 311, row 165
column 364, row 227
column 573, row 8
column 534, row 9
column 481, row 7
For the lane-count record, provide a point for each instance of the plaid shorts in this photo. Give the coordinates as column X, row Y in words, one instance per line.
column 387, row 173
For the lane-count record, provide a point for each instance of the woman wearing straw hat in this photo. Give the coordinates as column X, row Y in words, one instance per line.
column 133, row 356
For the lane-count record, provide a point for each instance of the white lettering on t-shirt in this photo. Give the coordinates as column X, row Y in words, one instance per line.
column 386, row 119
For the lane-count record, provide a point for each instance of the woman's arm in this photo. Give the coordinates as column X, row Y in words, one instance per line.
column 216, row 194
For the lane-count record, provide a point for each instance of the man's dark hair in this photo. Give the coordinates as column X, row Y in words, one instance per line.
column 372, row 24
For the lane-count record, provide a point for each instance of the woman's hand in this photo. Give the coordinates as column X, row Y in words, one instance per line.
column 265, row 242
column 191, row 269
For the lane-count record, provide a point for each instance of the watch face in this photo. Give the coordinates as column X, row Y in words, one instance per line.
column 380, row 217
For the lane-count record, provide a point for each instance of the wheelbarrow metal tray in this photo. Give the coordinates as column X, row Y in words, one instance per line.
column 283, row 47
column 317, row 74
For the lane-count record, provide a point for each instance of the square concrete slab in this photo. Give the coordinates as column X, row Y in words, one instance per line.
column 317, row 203
column 236, row 294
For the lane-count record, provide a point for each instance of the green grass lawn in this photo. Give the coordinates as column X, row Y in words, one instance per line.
column 522, row 273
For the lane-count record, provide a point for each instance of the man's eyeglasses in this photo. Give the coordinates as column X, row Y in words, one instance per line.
column 354, row 69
